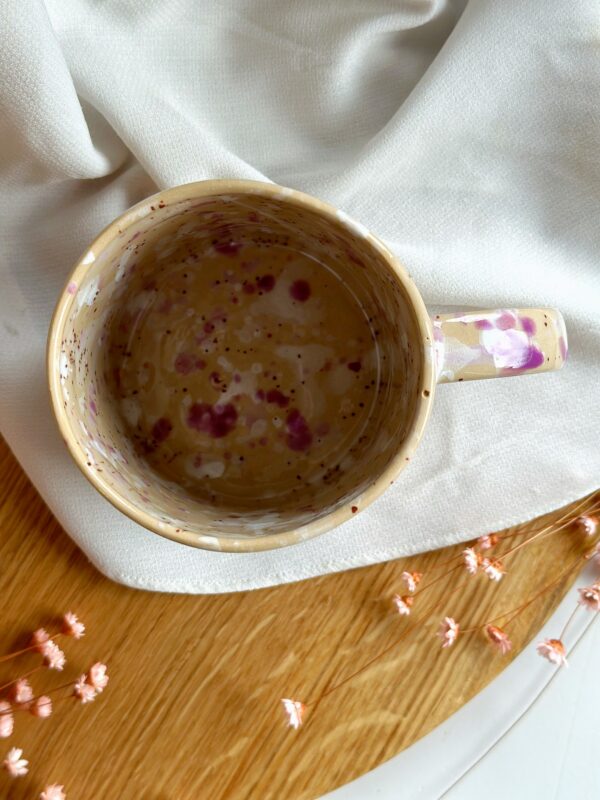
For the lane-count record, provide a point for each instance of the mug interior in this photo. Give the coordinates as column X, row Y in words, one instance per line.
column 236, row 365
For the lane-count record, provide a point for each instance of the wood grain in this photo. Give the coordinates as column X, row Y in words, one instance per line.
column 192, row 709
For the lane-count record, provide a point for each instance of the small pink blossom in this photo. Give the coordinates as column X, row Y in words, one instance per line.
column 554, row 651
column 15, row 764
column 54, row 657
column 448, row 632
column 21, row 691
column 487, row 541
column 472, row 560
column 412, row 579
column 97, row 677
column 589, row 597
column 39, row 638
column 295, row 711
column 587, row 524
column 72, row 626
column 83, row 690
column 403, row 604
column 492, row 568
column 41, row 707
column 498, row 638
column 7, row 721
column 53, row 792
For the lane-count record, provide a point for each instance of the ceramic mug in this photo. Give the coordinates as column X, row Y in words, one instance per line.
column 238, row 366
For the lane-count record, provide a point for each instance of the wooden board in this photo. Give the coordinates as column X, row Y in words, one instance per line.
column 193, row 706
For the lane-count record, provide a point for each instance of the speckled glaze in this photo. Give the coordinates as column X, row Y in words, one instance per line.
column 238, row 366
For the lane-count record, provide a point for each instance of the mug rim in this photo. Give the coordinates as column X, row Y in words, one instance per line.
column 237, row 544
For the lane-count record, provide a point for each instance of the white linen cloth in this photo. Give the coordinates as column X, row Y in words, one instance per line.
column 467, row 135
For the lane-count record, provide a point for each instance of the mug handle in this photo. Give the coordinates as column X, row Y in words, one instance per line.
column 470, row 345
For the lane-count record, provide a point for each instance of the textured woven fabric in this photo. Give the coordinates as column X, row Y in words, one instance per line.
column 466, row 135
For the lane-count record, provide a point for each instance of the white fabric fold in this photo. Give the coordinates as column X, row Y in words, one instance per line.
column 466, row 135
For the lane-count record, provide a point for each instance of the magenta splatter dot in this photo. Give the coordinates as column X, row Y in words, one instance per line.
column 208, row 327
column 248, row 288
column 72, row 288
column 277, row 397
column 93, row 408
column 260, row 395
column 215, row 378
column 200, row 363
column 266, row 283
column 161, row 430
column 300, row 290
column 299, row 436
column 528, row 325
column 237, row 378
column 483, row 324
column 354, row 366
column 535, row 358
column 217, row 421
column 505, row 321
column 228, row 248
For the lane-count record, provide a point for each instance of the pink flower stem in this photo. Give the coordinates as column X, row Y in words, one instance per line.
column 439, row 578
column 25, row 675
column 31, row 647
column 547, row 530
column 329, row 689
column 514, row 613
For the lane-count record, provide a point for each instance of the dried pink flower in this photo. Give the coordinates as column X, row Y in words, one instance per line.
column 15, row 764
column 41, row 707
column 412, row 580
column 492, row 568
column 498, row 638
column 587, row 524
column 39, row 638
column 21, row 691
column 97, row 676
column 589, row 597
column 472, row 560
column 83, row 690
column 72, row 626
column 487, row 541
column 295, row 711
column 7, row 721
column 53, row 792
column 554, row 651
column 54, row 657
column 448, row 631
column 403, row 604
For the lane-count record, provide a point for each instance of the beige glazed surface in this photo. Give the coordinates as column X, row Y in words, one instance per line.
column 238, row 366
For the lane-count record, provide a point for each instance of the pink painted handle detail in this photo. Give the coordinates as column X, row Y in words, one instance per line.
column 494, row 344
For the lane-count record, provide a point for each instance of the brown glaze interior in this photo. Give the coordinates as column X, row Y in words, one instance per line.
column 239, row 365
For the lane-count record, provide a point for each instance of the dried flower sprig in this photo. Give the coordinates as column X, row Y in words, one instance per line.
column 20, row 694
column 475, row 562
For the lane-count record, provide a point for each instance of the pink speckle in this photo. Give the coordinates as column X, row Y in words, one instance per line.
column 300, row 290
column 93, row 408
column 277, row 397
column 528, row 325
column 228, row 248
column 564, row 351
column 184, row 363
column 217, row 421
column 299, row 436
column 266, row 283
column 208, row 327
column 248, row 288
column 215, row 378
column 161, row 430
column 354, row 366
column 200, row 363
column 237, row 378
column 72, row 288
column 260, row 395
column 483, row 324
column 535, row 358
column 505, row 321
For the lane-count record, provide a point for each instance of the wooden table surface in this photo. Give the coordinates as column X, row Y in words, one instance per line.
column 192, row 710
